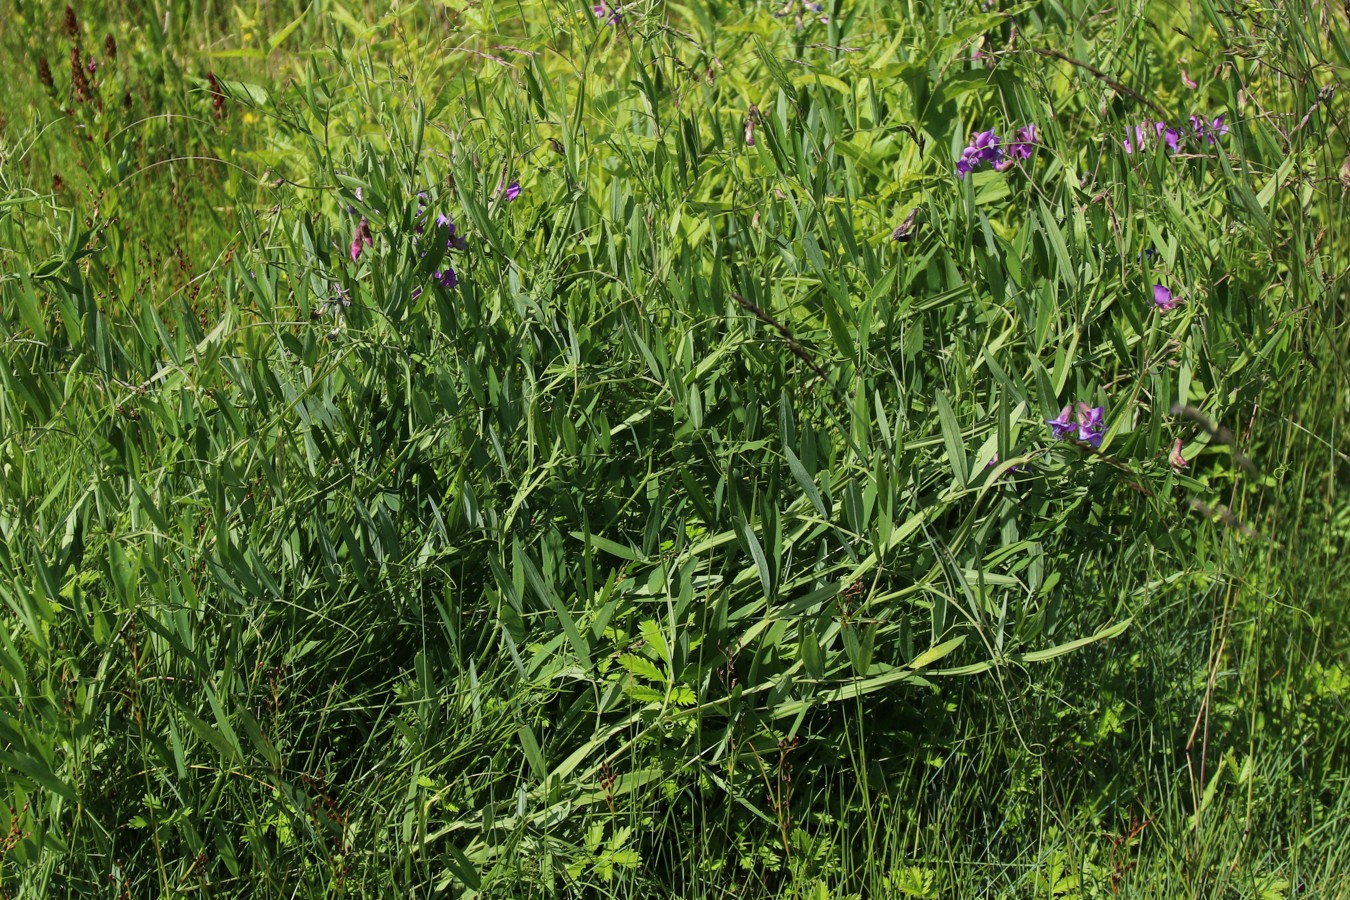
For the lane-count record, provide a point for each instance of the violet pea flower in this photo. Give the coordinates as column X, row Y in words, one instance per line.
column 1163, row 298
column 1169, row 135
column 1091, row 425
column 983, row 148
column 1063, row 426
column 1026, row 139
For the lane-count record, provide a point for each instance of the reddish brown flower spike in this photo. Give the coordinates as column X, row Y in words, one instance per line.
column 45, row 73
column 78, row 81
column 110, row 48
column 72, row 24
column 218, row 97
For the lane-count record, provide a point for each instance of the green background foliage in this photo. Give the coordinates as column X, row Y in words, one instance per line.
column 706, row 539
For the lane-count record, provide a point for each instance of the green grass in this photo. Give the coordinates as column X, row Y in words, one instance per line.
column 667, row 553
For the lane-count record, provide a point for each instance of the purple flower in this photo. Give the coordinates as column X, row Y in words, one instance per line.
column 1061, row 427
column 1138, row 134
column 1211, row 132
column 421, row 212
column 1135, row 137
column 1091, row 427
column 983, row 148
column 1089, row 423
column 453, row 239
column 1163, row 297
column 602, row 10
column 93, row 65
column 1021, row 148
column 446, row 279
column 1169, row 135
column 985, row 142
column 512, row 191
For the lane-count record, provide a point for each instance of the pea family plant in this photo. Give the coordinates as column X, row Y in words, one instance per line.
column 713, row 449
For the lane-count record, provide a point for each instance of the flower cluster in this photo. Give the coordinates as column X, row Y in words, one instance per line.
column 1090, row 423
column 608, row 13
column 1209, row 132
column 988, row 147
column 446, row 229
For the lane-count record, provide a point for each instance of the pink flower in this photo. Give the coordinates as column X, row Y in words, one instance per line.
column 1176, row 459
column 361, row 236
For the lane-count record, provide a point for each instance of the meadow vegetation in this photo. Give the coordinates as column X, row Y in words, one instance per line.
column 707, row 449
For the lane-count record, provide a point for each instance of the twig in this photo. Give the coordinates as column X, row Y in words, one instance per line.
column 782, row 329
column 1217, row 433
column 1324, row 95
column 1104, row 78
